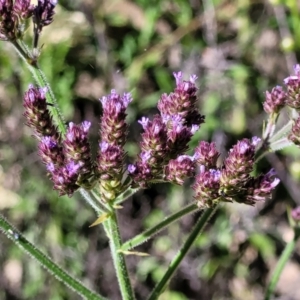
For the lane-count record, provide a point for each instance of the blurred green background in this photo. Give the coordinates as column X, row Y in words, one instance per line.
column 239, row 49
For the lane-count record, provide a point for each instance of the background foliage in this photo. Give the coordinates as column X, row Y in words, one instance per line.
column 239, row 49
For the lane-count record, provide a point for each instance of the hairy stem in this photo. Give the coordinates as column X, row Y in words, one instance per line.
column 124, row 196
column 41, row 81
column 112, row 229
column 89, row 196
column 61, row 275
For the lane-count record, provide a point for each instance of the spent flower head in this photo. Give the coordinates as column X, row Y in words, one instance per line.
column 259, row 189
column 11, row 18
column 43, row 13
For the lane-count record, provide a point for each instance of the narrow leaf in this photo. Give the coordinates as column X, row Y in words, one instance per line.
column 101, row 219
column 137, row 253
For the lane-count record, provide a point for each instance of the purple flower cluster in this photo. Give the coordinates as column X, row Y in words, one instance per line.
column 68, row 161
column 43, row 13
column 13, row 16
column 288, row 96
column 231, row 182
column 292, row 84
column 163, row 145
column 275, row 100
column 166, row 137
column 113, row 132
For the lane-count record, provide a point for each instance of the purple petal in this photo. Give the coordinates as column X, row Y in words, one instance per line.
column 144, row 122
column 178, row 77
column 131, row 168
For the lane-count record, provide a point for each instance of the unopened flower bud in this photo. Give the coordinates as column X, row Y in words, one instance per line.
column 293, row 88
column 206, row 154
column 111, row 170
column 183, row 101
column 113, row 125
column 206, row 188
column 275, row 100
column 180, row 169
column 294, row 135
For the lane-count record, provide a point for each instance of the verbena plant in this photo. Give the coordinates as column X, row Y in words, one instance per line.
column 106, row 182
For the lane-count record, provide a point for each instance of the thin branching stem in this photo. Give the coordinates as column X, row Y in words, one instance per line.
column 286, row 254
column 89, row 196
column 125, row 195
column 207, row 214
column 19, row 240
column 41, row 81
column 149, row 233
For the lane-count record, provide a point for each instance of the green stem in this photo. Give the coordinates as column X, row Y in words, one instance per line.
column 41, row 81
column 13, row 234
column 289, row 248
column 111, row 227
column 124, row 196
column 282, row 132
column 88, row 197
column 207, row 214
column 269, row 130
column 149, row 233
